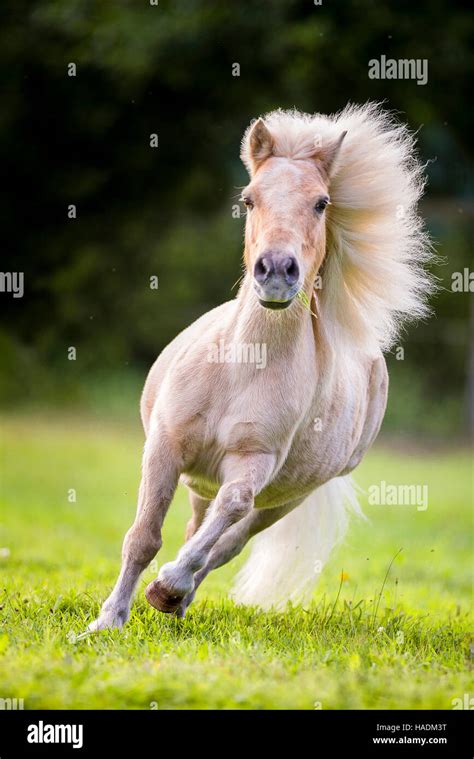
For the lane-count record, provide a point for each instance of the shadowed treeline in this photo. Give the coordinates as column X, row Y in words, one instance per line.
column 194, row 73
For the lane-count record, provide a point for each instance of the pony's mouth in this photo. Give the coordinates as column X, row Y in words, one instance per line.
column 276, row 305
column 276, row 297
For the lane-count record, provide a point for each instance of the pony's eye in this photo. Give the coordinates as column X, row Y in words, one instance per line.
column 321, row 205
column 247, row 202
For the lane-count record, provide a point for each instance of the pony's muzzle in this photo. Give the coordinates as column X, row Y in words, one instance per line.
column 276, row 279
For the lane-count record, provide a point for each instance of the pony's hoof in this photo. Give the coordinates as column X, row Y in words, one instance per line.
column 157, row 596
column 108, row 619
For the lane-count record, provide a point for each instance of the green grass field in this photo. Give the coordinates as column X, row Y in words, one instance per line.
column 360, row 644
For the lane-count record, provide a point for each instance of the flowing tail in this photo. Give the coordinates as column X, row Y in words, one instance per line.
column 286, row 559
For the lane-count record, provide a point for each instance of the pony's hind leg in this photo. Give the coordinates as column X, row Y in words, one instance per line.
column 199, row 506
column 244, row 478
column 160, row 473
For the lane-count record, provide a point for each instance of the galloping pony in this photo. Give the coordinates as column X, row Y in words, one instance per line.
column 335, row 256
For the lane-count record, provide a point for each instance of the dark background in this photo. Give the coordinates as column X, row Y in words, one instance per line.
column 167, row 211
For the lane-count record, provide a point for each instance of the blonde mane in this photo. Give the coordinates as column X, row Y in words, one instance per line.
column 373, row 275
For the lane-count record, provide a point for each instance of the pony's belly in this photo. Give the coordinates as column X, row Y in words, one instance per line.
column 290, row 484
column 304, row 468
column 301, row 473
column 311, row 462
column 204, row 487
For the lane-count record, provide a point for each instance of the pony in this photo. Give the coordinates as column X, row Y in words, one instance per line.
column 335, row 262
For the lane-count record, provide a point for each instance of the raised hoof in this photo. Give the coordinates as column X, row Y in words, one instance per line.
column 157, row 595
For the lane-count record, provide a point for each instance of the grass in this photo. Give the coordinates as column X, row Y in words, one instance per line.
column 372, row 638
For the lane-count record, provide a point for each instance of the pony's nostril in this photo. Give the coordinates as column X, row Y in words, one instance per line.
column 291, row 270
column 263, row 268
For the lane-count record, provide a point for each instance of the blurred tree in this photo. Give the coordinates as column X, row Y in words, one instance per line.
column 167, row 211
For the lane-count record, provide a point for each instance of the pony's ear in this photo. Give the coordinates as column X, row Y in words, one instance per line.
column 327, row 154
column 258, row 146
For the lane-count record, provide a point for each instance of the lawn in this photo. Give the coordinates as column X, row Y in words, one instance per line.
column 368, row 640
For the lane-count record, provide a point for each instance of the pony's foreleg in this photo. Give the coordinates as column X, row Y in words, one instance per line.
column 244, row 477
column 160, row 472
column 232, row 543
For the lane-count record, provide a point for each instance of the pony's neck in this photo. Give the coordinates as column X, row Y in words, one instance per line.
column 285, row 330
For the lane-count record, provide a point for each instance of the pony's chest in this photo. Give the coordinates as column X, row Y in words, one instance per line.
column 262, row 418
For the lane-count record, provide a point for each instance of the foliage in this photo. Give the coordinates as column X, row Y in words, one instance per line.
column 167, row 212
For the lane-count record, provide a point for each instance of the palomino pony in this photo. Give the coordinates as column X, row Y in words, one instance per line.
column 334, row 261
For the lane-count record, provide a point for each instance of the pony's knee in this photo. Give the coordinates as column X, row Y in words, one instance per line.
column 235, row 499
column 141, row 544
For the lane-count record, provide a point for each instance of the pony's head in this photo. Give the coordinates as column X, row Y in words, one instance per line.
column 337, row 196
column 286, row 200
